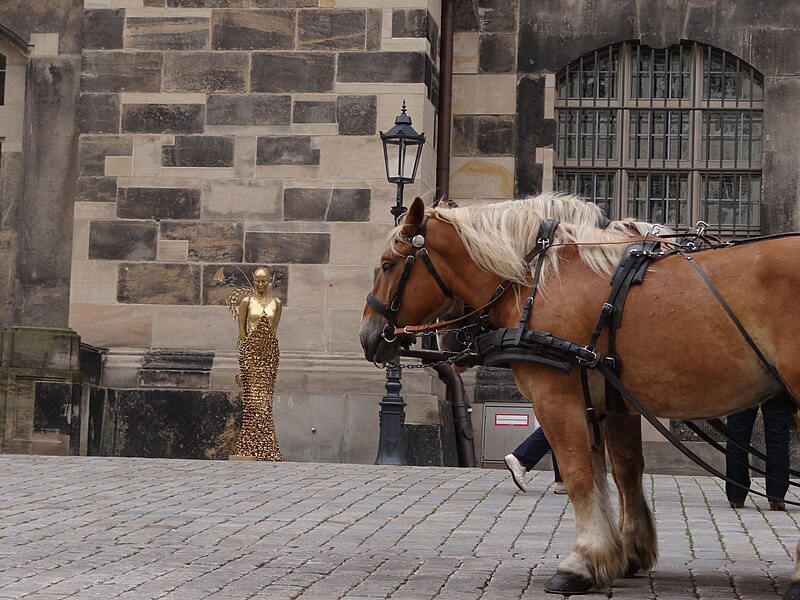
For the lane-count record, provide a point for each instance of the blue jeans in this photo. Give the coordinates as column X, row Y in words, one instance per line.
column 777, row 420
column 533, row 449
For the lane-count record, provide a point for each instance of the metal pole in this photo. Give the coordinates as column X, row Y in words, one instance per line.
column 465, row 447
column 391, row 443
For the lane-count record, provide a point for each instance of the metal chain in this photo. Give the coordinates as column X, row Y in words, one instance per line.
column 447, row 361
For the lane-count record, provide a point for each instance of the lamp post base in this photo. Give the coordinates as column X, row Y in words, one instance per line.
column 391, row 448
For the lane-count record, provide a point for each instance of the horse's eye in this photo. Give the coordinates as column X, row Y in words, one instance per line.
column 386, row 266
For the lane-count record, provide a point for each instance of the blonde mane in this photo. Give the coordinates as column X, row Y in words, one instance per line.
column 498, row 236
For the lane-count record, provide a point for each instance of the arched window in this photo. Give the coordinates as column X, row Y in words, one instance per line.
column 669, row 135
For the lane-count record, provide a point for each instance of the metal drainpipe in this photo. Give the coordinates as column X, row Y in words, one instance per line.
column 462, row 420
column 445, row 103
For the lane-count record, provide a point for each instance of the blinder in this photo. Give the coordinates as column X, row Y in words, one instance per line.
column 417, row 242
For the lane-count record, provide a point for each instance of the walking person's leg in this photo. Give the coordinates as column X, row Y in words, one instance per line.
column 741, row 425
column 777, row 420
column 525, row 457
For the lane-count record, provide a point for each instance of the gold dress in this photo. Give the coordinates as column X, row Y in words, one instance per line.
column 258, row 362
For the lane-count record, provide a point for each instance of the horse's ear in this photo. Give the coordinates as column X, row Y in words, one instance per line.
column 414, row 217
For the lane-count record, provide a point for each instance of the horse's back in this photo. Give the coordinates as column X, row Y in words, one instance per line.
column 684, row 353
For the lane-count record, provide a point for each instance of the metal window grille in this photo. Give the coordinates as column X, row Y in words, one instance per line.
column 669, row 135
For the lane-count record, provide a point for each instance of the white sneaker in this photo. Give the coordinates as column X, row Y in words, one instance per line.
column 518, row 471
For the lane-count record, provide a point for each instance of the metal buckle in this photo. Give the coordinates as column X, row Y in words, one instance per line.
column 592, row 363
column 701, row 227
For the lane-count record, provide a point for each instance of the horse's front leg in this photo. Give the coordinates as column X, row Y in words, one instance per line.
column 597, row 557
column 623, row 438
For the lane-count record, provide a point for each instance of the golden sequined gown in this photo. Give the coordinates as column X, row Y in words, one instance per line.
column 258, row 362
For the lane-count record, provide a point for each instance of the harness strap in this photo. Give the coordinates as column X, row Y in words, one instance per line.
column 432, row 270
column 720, row 448
column 626, row 393
column 770, row 368
column 546, row 231
column 725, row 431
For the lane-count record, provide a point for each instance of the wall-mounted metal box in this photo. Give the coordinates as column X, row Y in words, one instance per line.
column 505, row 426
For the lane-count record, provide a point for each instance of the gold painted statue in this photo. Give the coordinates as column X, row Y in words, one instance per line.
column 258, row 313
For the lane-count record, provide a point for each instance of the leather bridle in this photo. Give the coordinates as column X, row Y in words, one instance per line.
column 417, row 241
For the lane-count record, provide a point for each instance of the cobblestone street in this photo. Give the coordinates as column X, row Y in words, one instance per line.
column 135, row 529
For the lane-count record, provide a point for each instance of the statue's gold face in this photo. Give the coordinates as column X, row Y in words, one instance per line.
column 261, row 282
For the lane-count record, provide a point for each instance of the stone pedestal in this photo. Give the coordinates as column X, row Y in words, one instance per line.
column 40, row 391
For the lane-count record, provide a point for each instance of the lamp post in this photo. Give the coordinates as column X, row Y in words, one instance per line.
column 402, row 149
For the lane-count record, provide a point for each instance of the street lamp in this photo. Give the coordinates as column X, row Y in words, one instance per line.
column 402, row 149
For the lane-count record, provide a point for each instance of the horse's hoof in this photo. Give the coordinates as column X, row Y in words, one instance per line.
column 793, row 593
column 568, row 584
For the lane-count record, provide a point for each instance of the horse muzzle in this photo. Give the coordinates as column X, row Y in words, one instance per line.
column 379, row 347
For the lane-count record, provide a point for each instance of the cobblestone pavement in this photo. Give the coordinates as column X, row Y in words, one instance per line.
column 134, row 529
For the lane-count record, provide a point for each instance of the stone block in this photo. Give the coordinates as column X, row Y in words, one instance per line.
column 495, row 135
column 93, row 281
column 95, row 210
column 242, row 200
column 167, row 423
column 158, row 283
column 465, row 135
column 485, row 94
column 356, row 115
column 302, row 330
column 358, row 244
column 205, row 71
column 409, row 23
column 285, row 3
column 111, row 324
column 374, row 28
column 93, row 149
column 172, row 250
column 118, row 71
column 199, row 151
column 248, row 109
column 96, row 189
column 122, row 240
column 325, row 204
column 284, row 72
column 196, row 327
column 158, row 203
column 465, row 52
column 326, row 29
column 216, row 292
column 208, row 3
column 342, row 157
column 163, row 118
column 208, row 241
column 311, row 111
column 253, row 29
column 118, row 166
column 497, row 53
column 482, row 178
column 290, row 248
column 98, row 113
column 498, row 16
column 286, row 150
column 102, row 29
column 41, row 348
column 175, row 369
column 167, row 33
column 147, row 154
column 381, row 67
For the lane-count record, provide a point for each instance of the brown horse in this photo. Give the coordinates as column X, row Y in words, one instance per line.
column 682, row 356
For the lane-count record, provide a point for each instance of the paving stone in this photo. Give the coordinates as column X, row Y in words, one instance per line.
column 140, row 529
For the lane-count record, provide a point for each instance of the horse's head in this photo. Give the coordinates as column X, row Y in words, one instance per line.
column 409, row 289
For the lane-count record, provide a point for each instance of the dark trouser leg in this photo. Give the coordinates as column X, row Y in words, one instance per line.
column 556, row 472
column 741, row 424
column 532, row 449
column 777, row 420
